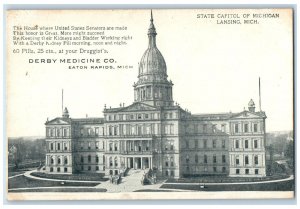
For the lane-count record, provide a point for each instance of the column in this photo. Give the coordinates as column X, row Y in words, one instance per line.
column 142, row 163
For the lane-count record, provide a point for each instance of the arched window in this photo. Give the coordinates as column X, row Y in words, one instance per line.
column 52, row 160
column 110, row 162
column 172, row 161
column 196, row 158
column 66, row 160
column 187, row 159
column 116, row 161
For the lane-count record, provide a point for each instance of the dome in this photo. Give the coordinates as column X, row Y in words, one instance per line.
column 152, row 62
column 251, row 103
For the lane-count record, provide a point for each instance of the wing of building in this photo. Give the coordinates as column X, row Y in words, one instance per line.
column 155, row 133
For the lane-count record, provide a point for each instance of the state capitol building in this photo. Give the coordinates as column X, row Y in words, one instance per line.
column 155, row 133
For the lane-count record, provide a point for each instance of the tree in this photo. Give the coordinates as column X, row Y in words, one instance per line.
column 289, row 151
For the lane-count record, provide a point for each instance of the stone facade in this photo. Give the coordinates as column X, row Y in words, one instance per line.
column 155, row 133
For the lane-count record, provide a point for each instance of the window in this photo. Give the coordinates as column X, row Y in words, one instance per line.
column 246, row 171
column 171, row 146
column 167, row 173
column 81, row 145
column 116, row 146
column 187, row 144
column 59, row 161
column 205, row 159
column 116, row 162
column 97, row 131
column 57, row 132
column 65, row 146
column 214, row 129
column 51, row 146
column 146, row 116
column 237, row 171
column 256, row 160
column 51, row 169
column 110, row 130
column 115, row 117
column 256, row 171
column 89, row 158
column 65, row 169
column 115, row 130
column 196, row 158
column 58, row 146
column 66, row 161
column 167, row 163
column 255, row 128
column 187, row 159
column 246, row 144
column 110, row 146
column 111, row 172
column 52, row 161
column 89, row 145
column 110, row 162
column 172, row 161
column 236, row 128
column 97, row 145
column 204, row 128
column 97, row 168
column 223, row 143
column 215, row 169
column 82, row 168
column 246, row 160
column 223, row 128
column 214, row 159
column 65, row 132
column 166, row 147
column 89, row 168
column 255, row 144
column 58, row 169
column 171, row 115
column 97, row 159
column 172, row 173
column 237, row 161
column 81, row 159
column 223, row 159
column 214, row 143
column 196, row 143
column 237, row 144
column 223, row 169
column 246, row 128
column 51, row 134
column 205, row 143
column 81, row 132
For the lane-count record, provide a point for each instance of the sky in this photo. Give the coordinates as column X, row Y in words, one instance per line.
column 214, row 67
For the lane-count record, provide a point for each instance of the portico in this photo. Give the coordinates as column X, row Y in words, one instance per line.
column 138, row 162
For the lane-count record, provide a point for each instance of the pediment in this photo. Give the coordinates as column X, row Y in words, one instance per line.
column 59, row 121
column 247, row 114
column 138, row 107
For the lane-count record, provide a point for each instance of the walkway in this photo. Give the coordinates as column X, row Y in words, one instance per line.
column 28, row 175
column 16, row 176
column 130, row 183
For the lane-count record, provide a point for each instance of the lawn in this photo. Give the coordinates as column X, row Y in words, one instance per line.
column 24, row 182
column 224, row 179
column 277, row 186
column 78, row 177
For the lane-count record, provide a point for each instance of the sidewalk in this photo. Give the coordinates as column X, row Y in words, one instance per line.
column 130, row 183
